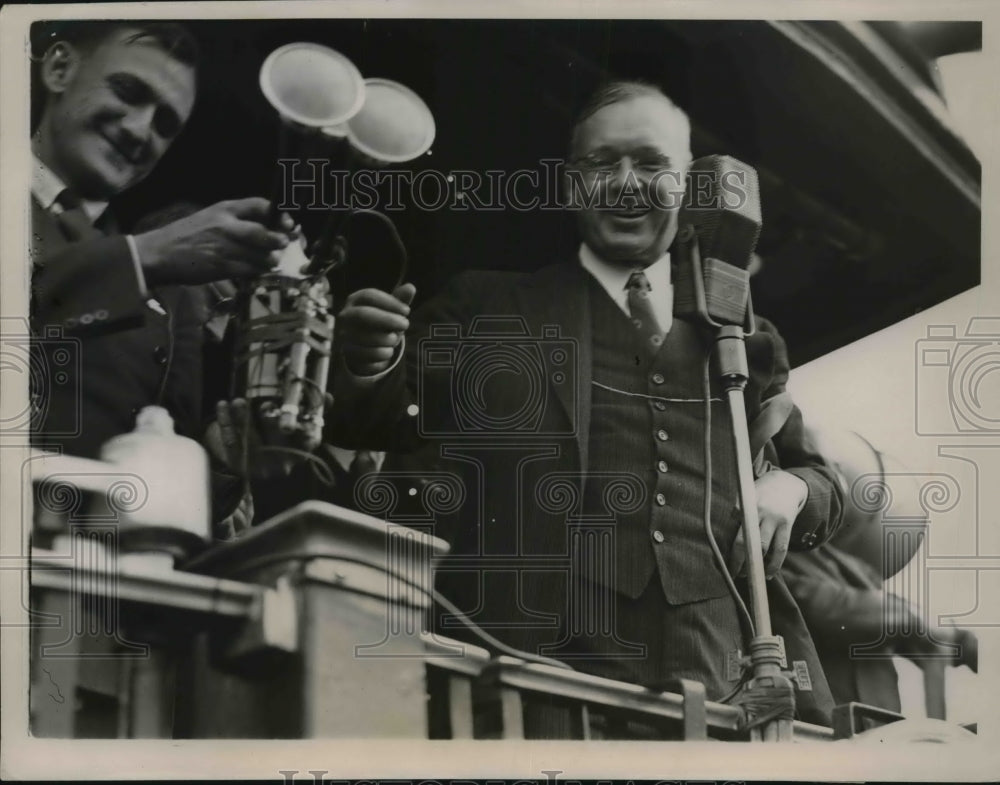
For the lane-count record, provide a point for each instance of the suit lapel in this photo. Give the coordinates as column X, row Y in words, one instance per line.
column 49, row 236
column 559, row 296
column 46, row 236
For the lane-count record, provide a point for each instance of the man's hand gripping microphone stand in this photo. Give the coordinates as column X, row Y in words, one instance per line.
column 731, row 366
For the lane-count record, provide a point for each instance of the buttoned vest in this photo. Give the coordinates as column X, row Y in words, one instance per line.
column 647, row 422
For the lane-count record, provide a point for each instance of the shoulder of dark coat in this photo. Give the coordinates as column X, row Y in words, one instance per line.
column 497, row 285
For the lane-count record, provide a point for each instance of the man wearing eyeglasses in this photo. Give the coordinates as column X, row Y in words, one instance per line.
column 581, row 447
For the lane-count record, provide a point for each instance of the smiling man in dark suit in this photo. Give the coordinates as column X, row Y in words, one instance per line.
column 111, row 98
column 614, row 440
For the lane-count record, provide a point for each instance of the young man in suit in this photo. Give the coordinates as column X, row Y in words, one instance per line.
column 113, row 98
column 605, row 441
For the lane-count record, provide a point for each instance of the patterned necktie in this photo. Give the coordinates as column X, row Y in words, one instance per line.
column 641, row 310
column 72, row 218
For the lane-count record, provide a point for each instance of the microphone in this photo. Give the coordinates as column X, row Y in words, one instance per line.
column 720, row 223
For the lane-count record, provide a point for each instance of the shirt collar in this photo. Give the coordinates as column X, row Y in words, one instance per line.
column 46, row 187
column 613, row 278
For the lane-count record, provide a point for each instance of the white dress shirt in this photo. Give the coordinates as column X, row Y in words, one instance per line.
column 614, row 279
column 46, row 187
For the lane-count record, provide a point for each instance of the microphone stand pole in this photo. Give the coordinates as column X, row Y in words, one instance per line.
column 731, row 365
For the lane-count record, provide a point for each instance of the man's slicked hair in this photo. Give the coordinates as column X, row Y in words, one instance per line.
column 618, row 91
column 172, row 37
column 86, row 35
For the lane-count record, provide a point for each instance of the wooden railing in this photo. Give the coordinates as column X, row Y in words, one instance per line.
column 311, row 626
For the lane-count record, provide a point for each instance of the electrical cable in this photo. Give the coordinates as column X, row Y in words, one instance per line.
column 744, row 678
column 646, row 396
column 438, row 598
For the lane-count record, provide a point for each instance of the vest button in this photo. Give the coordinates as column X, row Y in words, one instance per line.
column 662, row 466
column 160, row 355
column 661, row 499
column 657, row 378
column 658, row 536
column 662, row 435
column 660, row 406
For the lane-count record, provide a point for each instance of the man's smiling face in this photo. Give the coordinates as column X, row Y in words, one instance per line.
column 112, row 112
column 632, row 155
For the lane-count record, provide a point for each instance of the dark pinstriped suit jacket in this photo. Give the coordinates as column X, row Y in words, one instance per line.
column 127, row 354
column 501, row 472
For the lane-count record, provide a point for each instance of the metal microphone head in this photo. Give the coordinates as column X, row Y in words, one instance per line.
column 719, row 226
column 723, row 207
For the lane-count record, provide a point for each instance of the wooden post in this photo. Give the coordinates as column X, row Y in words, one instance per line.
column 361, row 594
column 935, row 703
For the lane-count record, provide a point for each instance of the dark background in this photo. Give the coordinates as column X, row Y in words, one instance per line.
column 862, row 227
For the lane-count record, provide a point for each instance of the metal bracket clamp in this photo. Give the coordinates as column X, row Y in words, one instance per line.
column 737, row 661
column 847, row 718
column 799, row 675
column 271, row 629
